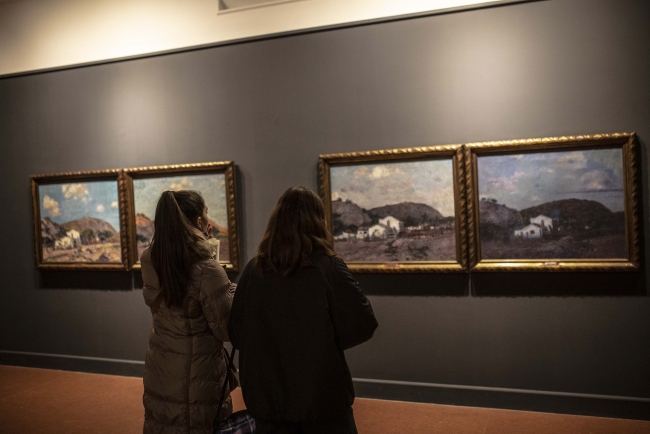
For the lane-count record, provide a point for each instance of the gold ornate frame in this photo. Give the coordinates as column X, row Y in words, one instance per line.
column 453, row 152
column 625, row 141
column 226, row 167
column 96, row 175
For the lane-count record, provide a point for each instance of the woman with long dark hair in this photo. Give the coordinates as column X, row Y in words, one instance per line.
column 297, row 308
column 190, row 297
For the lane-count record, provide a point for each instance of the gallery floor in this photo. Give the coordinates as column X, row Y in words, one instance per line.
column 40, row 401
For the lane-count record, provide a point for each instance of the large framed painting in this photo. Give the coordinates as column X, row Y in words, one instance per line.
column 214, row 181
column 78, row 221
column 399, row 210
column 559, row 203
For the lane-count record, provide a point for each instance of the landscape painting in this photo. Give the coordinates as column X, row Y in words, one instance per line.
column 211, row 186
column 79, row 222
column 553, row 205
column 394, row 211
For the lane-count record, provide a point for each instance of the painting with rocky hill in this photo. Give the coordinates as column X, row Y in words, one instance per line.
column 399, row 211
column 562, row 205
column 212, row 187
column 79, row 223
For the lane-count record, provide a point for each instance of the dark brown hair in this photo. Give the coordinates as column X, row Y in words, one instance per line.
column 175, row 247
column 296, row 227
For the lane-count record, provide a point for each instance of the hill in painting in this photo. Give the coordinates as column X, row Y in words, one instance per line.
column 347, row 215
column 580, row 229
column 495, row 213
column 144, row 227
column 216, row 229
column 50, row 231
column 418, row 240
column 410, row 213
column 97, row 241
column 92, row 224
column 570, row 213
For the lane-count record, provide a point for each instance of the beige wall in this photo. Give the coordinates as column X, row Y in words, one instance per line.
column 38, row 34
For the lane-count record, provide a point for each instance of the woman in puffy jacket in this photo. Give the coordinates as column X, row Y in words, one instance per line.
column 297, row 308
column 191, row 296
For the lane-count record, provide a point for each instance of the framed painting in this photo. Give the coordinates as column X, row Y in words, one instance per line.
column 78, row 221
column 399, row 210
column 554, row 204
column 214, row 181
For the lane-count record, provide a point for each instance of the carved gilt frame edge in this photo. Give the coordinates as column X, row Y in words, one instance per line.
column 629, row 145
column 227, row 167
column 455, row 151
column 52, row 178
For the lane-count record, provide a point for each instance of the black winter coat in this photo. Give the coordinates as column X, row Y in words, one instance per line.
column 291, row 333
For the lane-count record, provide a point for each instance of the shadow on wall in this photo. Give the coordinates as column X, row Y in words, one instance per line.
column 89, row 280
column 527, row 284
column 414, row 285
column 404, row 285
column 523, row 284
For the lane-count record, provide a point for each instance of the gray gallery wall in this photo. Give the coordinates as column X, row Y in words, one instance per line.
column 548, row 68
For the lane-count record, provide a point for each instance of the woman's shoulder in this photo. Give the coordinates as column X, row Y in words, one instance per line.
column 146, row 255
column 209, row 265
column 321, row 259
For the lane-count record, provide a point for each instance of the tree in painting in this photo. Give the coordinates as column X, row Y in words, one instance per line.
column 80, row 222
column 212, row 187
column 400, row 211
column 552, row 205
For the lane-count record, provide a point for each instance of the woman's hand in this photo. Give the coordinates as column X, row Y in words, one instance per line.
column 209, row 231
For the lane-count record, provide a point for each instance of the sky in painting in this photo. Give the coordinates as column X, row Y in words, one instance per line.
column 373, row 185
column 521, row 181
column 212, row 187
column 63, row 203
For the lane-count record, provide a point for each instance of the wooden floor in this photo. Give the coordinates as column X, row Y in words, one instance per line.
column 40, row 401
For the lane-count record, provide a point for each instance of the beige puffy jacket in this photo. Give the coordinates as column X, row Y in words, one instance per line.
column 185, row 367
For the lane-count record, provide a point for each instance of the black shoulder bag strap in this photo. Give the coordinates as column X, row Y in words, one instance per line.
column 229, row 372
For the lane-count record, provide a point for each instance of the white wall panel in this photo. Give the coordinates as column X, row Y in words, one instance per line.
column 39, row 34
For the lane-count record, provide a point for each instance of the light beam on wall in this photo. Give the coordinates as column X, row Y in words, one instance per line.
column 36, row 35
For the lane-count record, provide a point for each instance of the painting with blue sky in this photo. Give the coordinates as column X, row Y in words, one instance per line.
column 552, row 205
column 394, row 211
column 212, row 187
column 80, row 222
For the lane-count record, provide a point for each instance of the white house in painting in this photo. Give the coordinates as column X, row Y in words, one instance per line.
column 362, row 232
column 544, row 221
column 392, row 222
column 382, row 231
column 377, row 231
column 345, row 236
column 75, row 236
column 538, row 226
column 63, row 243
column 531, row 231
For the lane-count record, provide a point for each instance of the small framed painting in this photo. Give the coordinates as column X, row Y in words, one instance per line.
column 216, row 184
column 78, row 221
column 558, row 203
column 399, row 210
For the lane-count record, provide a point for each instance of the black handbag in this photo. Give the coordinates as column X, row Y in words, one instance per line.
column 237, row 423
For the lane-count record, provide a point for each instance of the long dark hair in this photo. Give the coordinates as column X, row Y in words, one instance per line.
column 174, row 247
column 296, row 227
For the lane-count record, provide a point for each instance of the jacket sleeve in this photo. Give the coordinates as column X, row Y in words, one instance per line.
column 237, row 312
column 350, row 310
column 151, row 287
column 216, row 296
